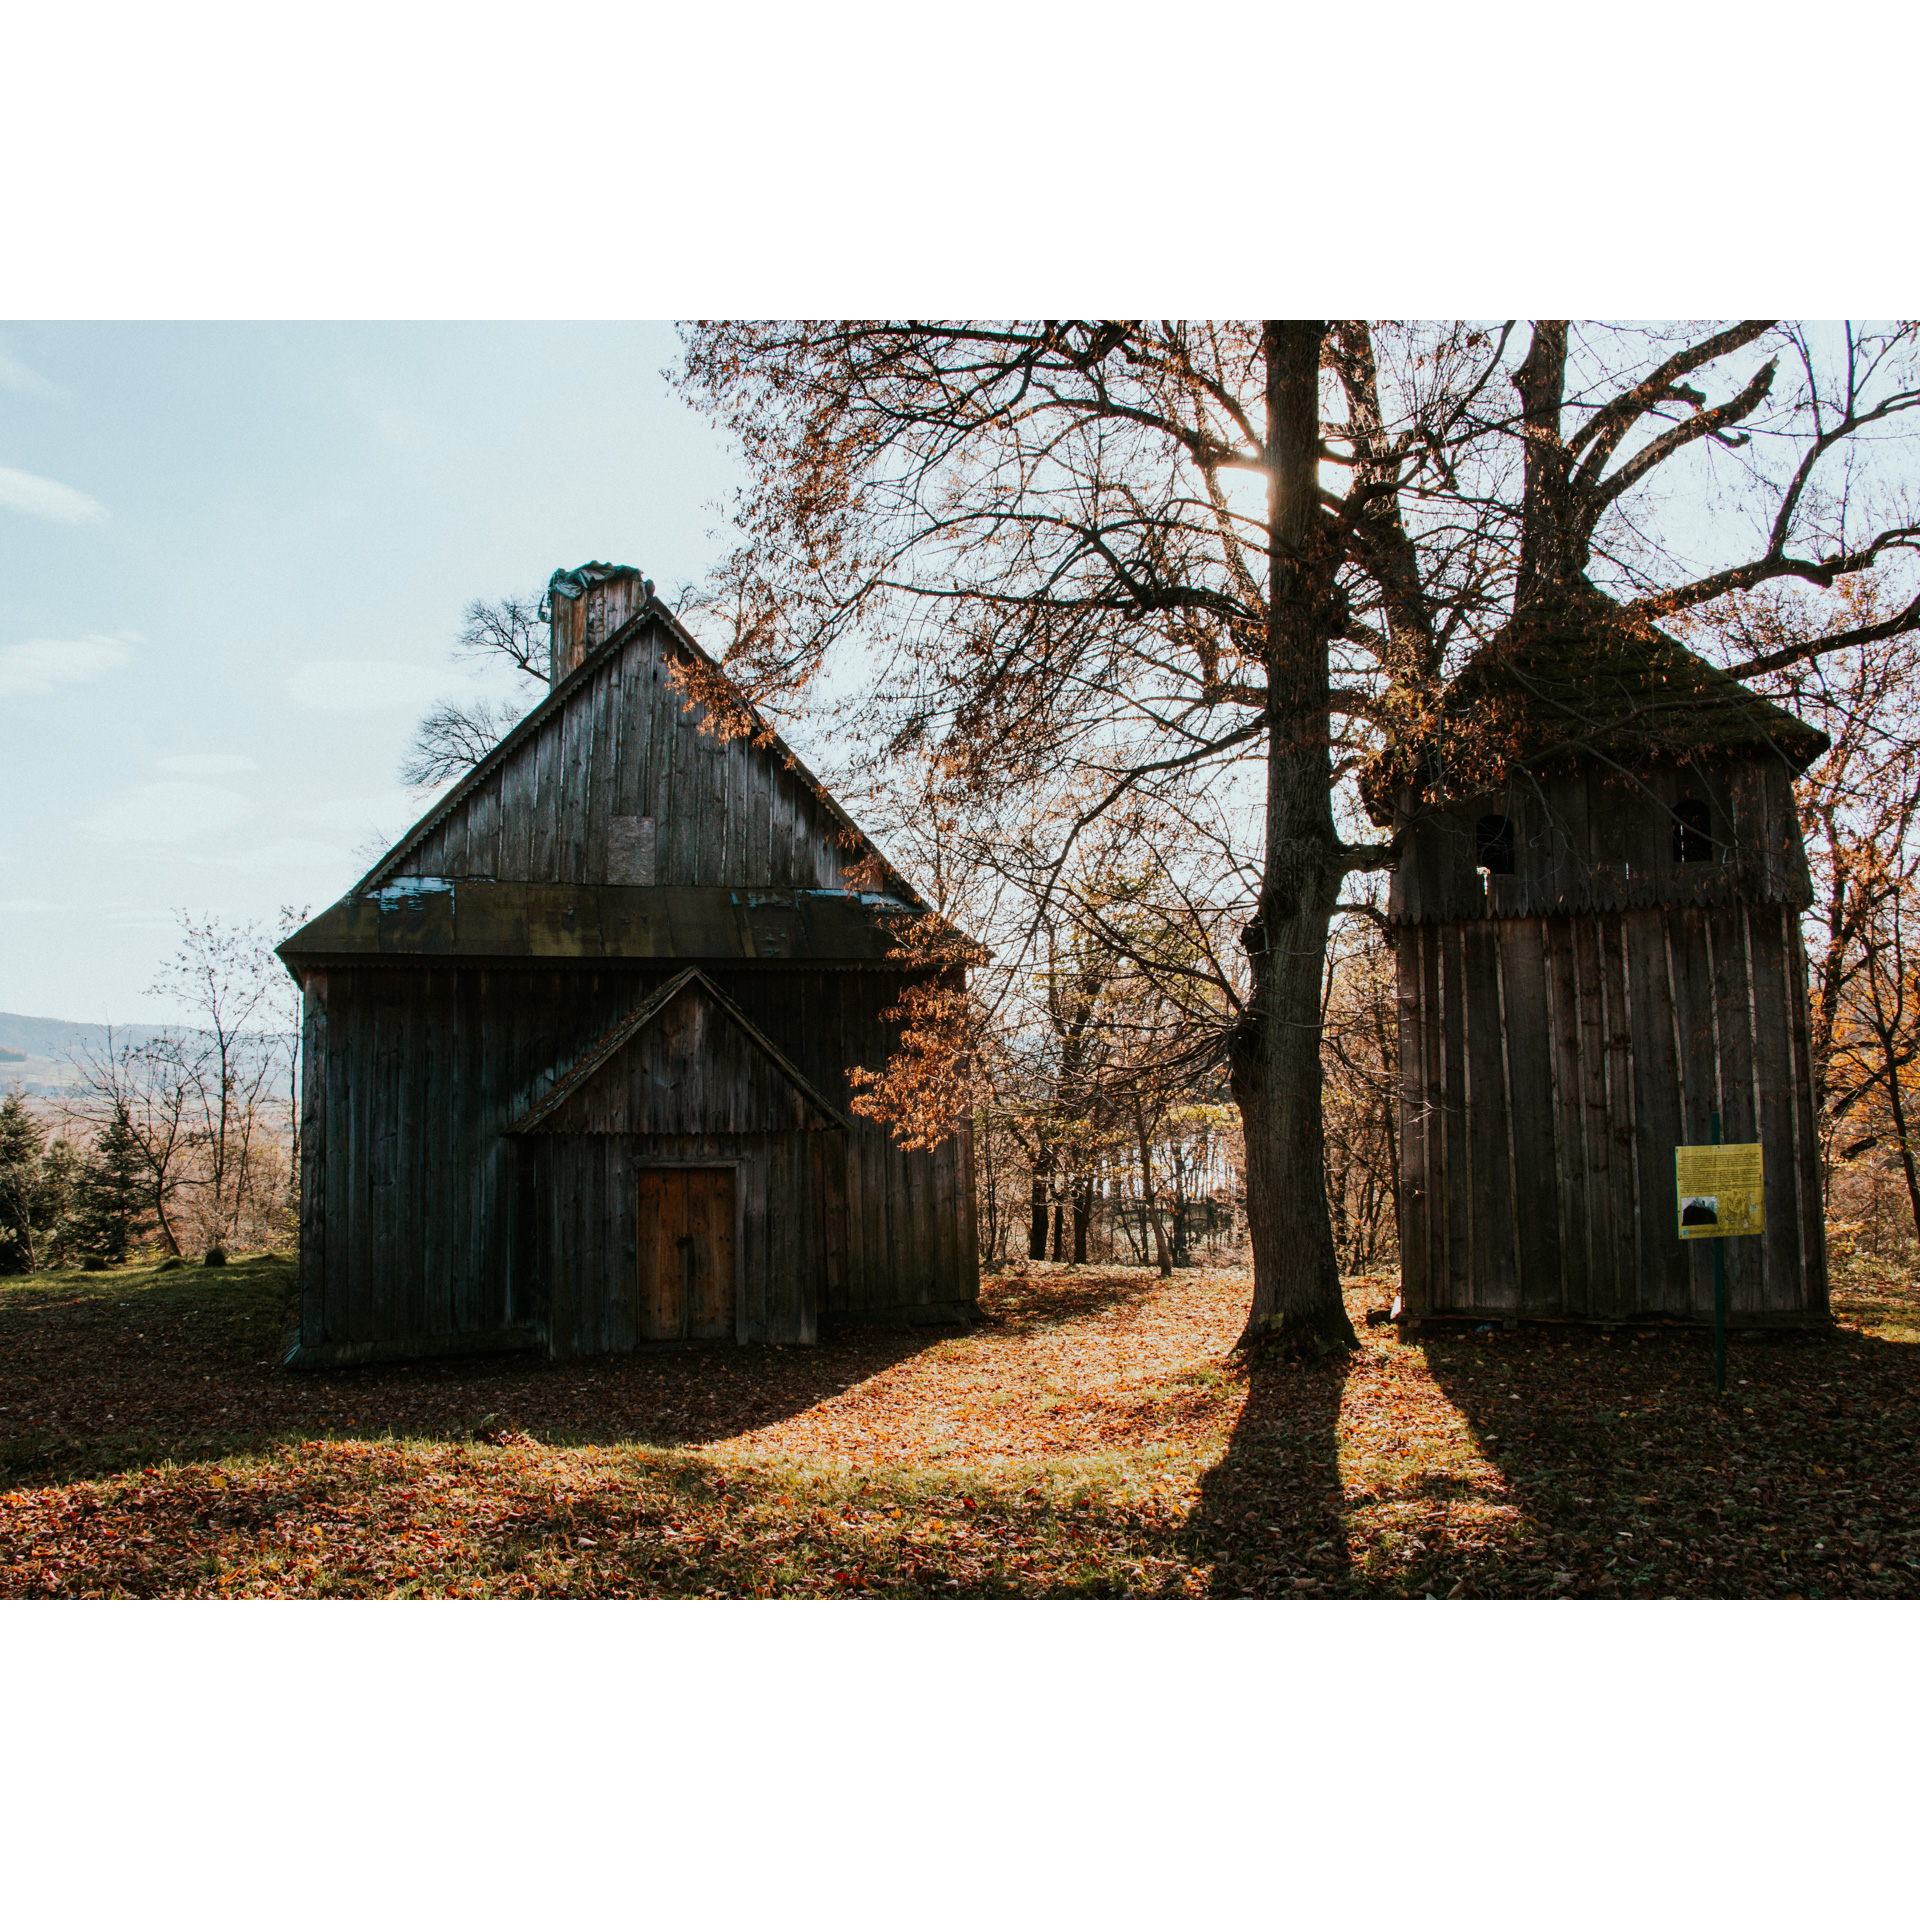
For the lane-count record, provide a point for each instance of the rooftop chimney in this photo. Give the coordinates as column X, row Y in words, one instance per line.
column 587, row 606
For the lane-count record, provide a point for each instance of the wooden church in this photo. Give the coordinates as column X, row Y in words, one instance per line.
column 576, row 1051
column 1596, row 918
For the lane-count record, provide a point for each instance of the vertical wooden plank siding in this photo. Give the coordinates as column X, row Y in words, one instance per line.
column 313, row 1160
column 1615, row 1119
column 1586, row 1015
column 450, row 1188
column 424, row 1149
column 738, row 783
column 542, row 803
column 405, row 1257
column 783, row 802
column 566, row 817
column 768, row 1202
column 1699, row 1070
column 385, row 1308
column 658, row 1233
column 362, row 1092
column 344, row 1150
column 417, row 1224
column 483, row 830
column 453, row 847
column 1627, row 1125
column 1497, row 944
column 1416, row 1286
column 1530, row 1072
column 1415, row 1181
column 1603, row 1042
column 1569, row 1152
column 831, row 1149
column 1409, row 970
column 517, row 801
column 476, row 1240
column 1756, row 1106
column 1587, row 1072
column 1480, row 1113
column 623, row 743
column 1438, row 1191
column 1459, row 1074
column 1659, row 1115
column 759, row 863
column 1739, row 1119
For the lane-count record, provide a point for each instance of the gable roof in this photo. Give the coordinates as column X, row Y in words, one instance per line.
column 1577, row 676
column 549, row 712
column 632, row 1025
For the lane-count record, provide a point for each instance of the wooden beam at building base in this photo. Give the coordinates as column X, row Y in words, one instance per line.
column 367, row 1353
column 938, row 1313
column 1506, row 1323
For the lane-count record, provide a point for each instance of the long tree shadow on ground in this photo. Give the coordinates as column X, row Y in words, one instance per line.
column 1269, row 1519
column 1631, row 1476
column 110, row 1372
column 1541, row 1462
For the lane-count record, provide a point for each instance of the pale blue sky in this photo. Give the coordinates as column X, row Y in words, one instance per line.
column 232, row 558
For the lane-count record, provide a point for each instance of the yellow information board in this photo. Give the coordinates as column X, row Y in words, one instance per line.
column 1721, row 1192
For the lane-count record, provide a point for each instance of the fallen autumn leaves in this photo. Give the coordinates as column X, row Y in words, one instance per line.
column 1093, row 1436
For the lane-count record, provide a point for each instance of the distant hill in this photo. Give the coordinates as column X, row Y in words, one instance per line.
column 37, row 1054
column 27, row 1036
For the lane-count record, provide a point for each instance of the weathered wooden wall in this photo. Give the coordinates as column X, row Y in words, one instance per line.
column 416, row 1072
column 910, row 1221
column 604, row 844
column 690, row 1068
column 789, row 1246
column 1550, row 1066
column 1594, row 840
column 564, row 802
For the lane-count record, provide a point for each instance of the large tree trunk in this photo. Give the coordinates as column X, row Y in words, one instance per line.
column 1042, row 1206
column 1551, row 553
column 1275, row 1064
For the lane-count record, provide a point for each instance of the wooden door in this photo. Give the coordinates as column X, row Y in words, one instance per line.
column 686, row 1253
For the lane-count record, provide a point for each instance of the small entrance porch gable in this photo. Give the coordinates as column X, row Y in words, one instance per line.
column 685, row 1061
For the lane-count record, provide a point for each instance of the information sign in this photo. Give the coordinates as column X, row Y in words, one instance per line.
column 1721, row 1192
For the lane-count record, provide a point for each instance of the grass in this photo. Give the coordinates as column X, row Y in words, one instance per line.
column 1095, row 1435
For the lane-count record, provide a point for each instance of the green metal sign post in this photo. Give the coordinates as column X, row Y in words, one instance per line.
column 1719, row 1286
column 1721, row 1192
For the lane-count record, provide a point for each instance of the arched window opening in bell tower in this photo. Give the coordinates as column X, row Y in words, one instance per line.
column 1692, row 832
column 1495, row 843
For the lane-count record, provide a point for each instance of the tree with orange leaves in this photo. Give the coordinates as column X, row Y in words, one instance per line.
column 1251, row 554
